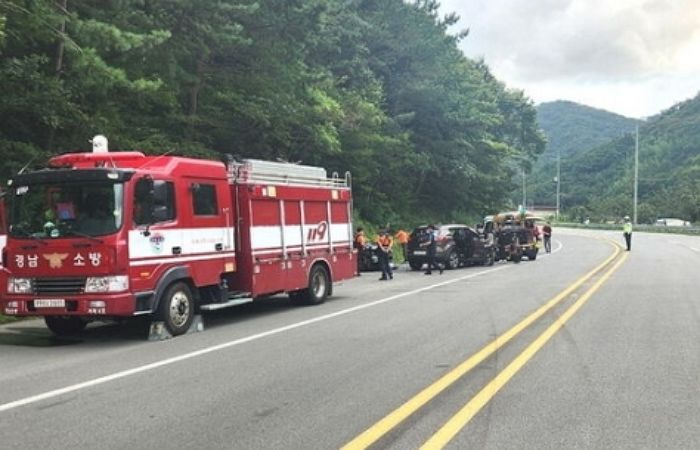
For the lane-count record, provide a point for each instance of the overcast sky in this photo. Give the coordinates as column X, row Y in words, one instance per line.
column 632, row 57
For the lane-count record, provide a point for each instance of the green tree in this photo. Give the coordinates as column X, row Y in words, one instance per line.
column 376, row 88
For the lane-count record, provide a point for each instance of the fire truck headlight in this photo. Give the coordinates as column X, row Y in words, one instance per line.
column 19, row 285
column 117, row 283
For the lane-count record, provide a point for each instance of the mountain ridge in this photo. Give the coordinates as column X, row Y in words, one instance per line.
column 598, row 182
column 570, row 128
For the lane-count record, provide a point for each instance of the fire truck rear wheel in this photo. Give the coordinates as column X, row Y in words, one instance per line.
column 176, row 308
column 65, row 325
column 319, row 286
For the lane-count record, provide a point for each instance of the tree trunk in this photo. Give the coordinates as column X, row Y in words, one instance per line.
column 61, row 44
column 194, row 95
column 196, row 87
column 62, row 6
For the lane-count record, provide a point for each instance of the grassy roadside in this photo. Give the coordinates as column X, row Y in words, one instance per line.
column 7, row 319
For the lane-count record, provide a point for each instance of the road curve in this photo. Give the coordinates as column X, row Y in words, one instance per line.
column 622, row 372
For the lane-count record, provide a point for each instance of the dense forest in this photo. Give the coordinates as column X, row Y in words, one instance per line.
column 571, row 129
column 378, row 88
column 598, row 183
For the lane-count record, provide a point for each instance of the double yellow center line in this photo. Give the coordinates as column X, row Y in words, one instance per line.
column 458, row 421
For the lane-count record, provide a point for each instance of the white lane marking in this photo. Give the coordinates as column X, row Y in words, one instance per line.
column 558, row 246
column 165, row 362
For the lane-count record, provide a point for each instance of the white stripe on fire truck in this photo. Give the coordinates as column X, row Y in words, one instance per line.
column 190, row 240
column 178, row 259
column 298, row 248
column 269, row 236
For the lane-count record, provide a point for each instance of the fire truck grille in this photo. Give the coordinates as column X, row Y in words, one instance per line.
column 50, row 286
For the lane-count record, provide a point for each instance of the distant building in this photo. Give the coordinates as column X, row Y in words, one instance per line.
column 542, row 211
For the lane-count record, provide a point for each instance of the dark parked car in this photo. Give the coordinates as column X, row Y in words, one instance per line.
column 457, row 245
column 369, row 258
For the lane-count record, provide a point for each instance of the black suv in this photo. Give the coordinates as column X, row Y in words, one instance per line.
column 456, row 245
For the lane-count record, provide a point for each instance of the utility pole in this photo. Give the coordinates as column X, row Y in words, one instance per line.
column 636, row 174
column 558, row 182
column 524, row 192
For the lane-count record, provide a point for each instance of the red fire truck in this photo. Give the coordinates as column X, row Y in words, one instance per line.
column 106, row 235
column 3, row 233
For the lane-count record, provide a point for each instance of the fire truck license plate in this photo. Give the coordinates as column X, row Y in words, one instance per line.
column 50, row 303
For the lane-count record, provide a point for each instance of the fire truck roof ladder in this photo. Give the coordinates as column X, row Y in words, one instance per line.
column 282, row 173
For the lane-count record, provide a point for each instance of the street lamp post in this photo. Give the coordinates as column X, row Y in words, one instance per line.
column 558, row 182
column 524, row 191
column 636, row 174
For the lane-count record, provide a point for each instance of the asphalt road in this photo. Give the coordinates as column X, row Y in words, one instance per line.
column 614, row 362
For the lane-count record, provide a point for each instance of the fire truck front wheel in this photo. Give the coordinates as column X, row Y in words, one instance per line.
column 65, row 325
column 176, row 308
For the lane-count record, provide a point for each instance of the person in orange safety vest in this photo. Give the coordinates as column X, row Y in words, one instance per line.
column 402, row 238
column 385, row 242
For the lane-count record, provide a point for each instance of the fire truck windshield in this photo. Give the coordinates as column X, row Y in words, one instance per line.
column 63, row 209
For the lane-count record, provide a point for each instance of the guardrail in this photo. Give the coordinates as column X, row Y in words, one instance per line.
column 694, row 230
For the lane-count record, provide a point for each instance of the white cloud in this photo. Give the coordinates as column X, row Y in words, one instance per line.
column 635, row 57
column 633, row 98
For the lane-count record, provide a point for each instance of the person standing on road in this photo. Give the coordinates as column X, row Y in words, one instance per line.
column 627, row 232
column 547, row 234
column 402, row 237
column 534, row 232
column 385, row 241
column 359, row 244
column 431, row 245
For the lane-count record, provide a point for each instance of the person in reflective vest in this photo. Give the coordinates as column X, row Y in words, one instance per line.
column 627, row 232
column 402, row 236
column 385, row 241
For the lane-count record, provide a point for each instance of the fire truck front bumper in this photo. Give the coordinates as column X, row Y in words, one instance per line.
column 108, row 305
